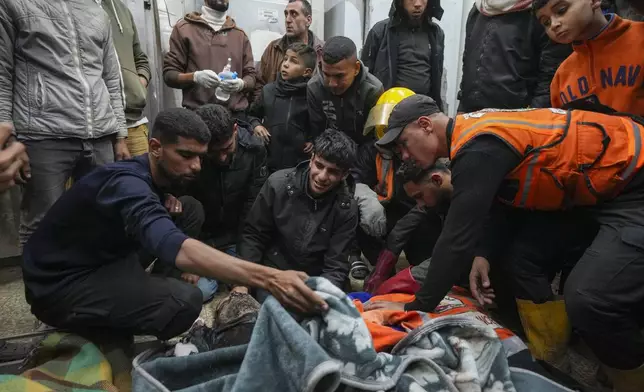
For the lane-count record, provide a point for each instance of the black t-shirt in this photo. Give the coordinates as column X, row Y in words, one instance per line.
column 478, row 171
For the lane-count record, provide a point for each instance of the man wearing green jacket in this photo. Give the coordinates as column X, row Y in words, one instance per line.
column 135, row 70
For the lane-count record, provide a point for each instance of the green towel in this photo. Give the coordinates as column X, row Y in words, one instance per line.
column 69, row 363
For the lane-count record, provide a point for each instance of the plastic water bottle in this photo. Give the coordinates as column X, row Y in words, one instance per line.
column 225, row 74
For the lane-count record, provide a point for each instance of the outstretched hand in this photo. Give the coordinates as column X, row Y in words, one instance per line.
column 289, row 289
column 262, row 133
column 480, row 281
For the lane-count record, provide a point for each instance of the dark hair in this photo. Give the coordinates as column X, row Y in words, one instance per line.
column 305, row 53
column 336, row 147
column 337, row 49
column 306, row 6
column 219, row 121
column 410, row 172
column 538, row 4
column 170, row 124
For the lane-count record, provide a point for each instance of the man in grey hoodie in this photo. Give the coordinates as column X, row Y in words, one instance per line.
column 135, row 70
column 61, row 89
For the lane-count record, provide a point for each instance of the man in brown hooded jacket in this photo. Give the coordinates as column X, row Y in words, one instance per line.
column 200, row 46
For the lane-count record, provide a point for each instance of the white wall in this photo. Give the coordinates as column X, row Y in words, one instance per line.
column 377, row 10
column 262, row 20
column 344, row 17
column 453, row 23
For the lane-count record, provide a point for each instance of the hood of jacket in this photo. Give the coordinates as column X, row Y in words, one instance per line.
column 360, row 78
column 434, row 10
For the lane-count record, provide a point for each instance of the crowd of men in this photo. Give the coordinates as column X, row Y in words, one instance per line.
column 320, row 157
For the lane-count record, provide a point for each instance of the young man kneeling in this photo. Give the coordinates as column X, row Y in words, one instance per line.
column 305, row 217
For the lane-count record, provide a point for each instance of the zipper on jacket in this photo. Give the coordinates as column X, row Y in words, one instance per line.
column 288, row 114
column 288, row 121
column 41, row 90
column 81, row 76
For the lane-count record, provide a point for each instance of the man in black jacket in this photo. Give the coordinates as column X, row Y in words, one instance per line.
column 232, row 174
column 342, row 94
column 509, row 61
column 305, row 217
column 407, row 49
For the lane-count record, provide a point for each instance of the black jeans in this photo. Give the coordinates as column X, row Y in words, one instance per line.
column 604, row 292
column 543, row 244
column 120, row 298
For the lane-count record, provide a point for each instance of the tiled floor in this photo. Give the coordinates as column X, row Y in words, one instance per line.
column 14, row 310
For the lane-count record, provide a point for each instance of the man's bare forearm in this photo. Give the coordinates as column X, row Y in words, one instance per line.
column 175, row 79
column 200, row 259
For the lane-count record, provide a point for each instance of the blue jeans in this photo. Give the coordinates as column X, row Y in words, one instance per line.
column 209, row 286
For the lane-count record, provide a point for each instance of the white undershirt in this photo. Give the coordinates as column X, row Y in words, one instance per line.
column 215, row 19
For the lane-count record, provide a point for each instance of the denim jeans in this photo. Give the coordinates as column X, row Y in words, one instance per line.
column 53, row 162
column 209, row 286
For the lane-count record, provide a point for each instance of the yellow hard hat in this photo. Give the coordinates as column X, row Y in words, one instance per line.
column 379, row 114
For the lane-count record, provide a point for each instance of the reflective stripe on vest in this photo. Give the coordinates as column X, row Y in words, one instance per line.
column 573, row 158
column 385, row 175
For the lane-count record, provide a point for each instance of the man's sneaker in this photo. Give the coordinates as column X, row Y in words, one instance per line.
column 359, row 269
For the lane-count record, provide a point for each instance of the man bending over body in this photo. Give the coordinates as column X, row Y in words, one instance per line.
column 305, row 217
column 81, row 266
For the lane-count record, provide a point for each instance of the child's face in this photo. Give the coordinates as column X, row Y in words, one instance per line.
column 292, row 66
column 566, row 21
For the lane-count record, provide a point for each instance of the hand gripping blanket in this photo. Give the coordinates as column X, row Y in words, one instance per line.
column 335, row 352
